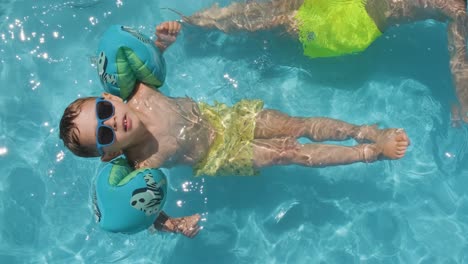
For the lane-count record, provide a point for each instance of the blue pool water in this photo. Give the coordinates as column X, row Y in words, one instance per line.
column 413, row 210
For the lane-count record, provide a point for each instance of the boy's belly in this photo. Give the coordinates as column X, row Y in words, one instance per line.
column 194, row 135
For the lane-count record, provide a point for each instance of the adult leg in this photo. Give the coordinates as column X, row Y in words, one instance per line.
column 275, row 124
column 457, row 33
column 455, row 12
column 249, row 16
column 450, row 8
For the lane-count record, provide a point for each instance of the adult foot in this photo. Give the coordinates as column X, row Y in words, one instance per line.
column 464, row 113
column 455, row 117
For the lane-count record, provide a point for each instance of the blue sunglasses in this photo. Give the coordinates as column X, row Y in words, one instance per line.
column 105, row 134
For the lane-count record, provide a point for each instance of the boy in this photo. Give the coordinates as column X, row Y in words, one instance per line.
column 329, row 28
column 153, row 130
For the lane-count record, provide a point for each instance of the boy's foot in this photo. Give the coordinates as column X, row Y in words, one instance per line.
column 367, row 134
column 392, row 143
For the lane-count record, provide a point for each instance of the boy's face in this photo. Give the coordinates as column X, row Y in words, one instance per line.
column 124, row 122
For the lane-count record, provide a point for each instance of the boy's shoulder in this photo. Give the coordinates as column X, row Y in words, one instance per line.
column 143, row 91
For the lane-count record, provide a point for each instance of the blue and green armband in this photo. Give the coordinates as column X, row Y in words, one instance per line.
column 127, row 200
column 126, row 57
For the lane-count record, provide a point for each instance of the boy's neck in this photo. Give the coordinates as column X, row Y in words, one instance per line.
column 142, row 149
column 141, row 91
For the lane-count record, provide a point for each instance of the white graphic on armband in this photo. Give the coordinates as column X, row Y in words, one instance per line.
column 137, row 34
column 148, row 199
column 97, row 212
column 102, row 67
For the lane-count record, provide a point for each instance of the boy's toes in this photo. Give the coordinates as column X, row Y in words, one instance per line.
column 401, row 137
column 400, row 153
column 394, row 143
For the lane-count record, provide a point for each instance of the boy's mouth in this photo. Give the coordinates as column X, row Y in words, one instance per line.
column 126, row 123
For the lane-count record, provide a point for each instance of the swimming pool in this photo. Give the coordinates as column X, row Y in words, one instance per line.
column 414, row 210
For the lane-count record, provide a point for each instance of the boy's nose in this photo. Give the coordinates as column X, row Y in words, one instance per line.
column 112, row 122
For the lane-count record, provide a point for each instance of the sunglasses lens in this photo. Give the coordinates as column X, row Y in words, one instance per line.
column 105, row 135
column 104, row 109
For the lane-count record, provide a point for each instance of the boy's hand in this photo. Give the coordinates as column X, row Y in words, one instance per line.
column 187, row 225
column 166, row 34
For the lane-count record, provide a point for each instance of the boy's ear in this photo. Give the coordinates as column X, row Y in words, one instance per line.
column 110, row 156
column 112, row 97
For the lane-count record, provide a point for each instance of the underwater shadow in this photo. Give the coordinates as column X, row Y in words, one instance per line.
column 269, row 53
column 303, row 193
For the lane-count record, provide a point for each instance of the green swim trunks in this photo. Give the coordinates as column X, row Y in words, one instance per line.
column 231, row 152
column 330, row 28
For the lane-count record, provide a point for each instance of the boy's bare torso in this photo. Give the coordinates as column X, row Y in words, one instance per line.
column 178, row 133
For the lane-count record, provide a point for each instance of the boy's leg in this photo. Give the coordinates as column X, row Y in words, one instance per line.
column 287, row 151
column 275, row 124
column 249, row 16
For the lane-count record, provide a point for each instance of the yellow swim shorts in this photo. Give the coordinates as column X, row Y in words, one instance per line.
column 231, row 152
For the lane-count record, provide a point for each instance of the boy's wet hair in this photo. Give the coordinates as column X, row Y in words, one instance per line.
column 69, row 132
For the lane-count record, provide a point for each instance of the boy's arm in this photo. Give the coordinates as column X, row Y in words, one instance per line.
column 187, row 225
column 166, row 34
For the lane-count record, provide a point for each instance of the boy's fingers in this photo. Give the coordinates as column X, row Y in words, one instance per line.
column 169, row 28
column 159, row 28
column 162, row 26
column 193, row 232
column 172, row 27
